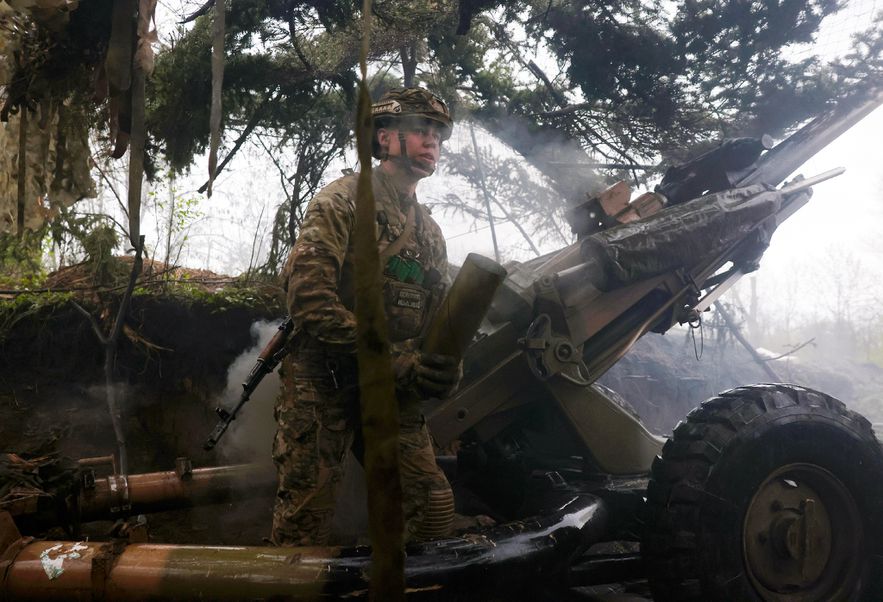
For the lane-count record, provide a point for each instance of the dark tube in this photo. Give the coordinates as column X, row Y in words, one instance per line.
column 159, row 491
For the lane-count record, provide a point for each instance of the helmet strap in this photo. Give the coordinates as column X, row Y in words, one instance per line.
column 403, row 157
column 403, row 151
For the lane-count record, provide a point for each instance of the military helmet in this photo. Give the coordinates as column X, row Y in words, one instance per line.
column 401, row 103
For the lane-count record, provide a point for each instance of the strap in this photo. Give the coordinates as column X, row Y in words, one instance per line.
column 395, row 246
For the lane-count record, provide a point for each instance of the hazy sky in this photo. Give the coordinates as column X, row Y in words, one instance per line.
column 846, row 212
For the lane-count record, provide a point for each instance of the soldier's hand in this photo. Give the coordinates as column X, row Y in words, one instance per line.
column 437, row 375
column 424, row 374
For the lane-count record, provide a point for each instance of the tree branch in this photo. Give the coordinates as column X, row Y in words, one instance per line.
column 787, row 353
column 292, row 35
column 202, row 10
column 249, row 127
column 408, row 54
column 541, row 75
column 116, row 195
column 734, row 328
column 566, row 110
column 96, row 328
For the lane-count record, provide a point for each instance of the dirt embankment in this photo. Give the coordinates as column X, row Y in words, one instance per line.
column 179, row 340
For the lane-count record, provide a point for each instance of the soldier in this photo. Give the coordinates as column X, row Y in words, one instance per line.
column 318, row 410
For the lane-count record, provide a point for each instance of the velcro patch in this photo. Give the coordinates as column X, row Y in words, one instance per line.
column 409, row 299
column 391, row 106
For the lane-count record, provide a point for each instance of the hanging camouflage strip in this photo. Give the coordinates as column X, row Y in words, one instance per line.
column 147, row 35
column 379, row 408
column 141, row 67
column 52, row 149
column 217, row 85
column 118, row 63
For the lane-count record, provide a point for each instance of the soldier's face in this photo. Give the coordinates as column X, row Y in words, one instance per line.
column 422, row 142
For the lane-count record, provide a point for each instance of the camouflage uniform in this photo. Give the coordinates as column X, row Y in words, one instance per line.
column 318, row 410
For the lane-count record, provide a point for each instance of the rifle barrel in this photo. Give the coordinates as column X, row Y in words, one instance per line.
column 267, row 361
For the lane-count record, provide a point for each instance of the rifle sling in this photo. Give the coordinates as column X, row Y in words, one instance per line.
column 395, row 246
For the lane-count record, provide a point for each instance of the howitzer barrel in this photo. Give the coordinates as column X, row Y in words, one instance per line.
column 462, row 310
column 158, row 491
column 778, row 163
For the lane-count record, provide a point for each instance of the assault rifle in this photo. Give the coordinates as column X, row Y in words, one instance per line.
column 267, row 361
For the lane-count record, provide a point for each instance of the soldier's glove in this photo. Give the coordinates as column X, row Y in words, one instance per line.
column 437, row 375
column 423, row 374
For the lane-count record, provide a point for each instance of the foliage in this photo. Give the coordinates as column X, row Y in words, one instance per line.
column 642, row 79
column 89, row 237
column 20, row 260
column 634, row 79
column 99, row 243
column 47, row 56
column 49, row 64
column 621, row 80
column 177, row 214
column 28, row 306
column 302, row 158
column 220, row 299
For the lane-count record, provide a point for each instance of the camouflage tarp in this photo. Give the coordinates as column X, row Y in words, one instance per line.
column 676, row 237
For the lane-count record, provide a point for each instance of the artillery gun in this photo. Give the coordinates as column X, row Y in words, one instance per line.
column 765, row 492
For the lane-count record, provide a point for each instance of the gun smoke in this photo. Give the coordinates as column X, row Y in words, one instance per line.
column 250, row 437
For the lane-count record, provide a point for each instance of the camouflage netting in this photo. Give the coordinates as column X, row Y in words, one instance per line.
column 57, row 150
column 703, row 227
column 56, row 168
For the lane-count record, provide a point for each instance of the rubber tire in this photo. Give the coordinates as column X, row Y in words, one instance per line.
column 719, row 455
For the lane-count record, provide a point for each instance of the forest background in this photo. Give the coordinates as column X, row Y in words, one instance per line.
column 559, row 98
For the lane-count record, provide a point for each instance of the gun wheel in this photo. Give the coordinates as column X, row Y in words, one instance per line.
column 766, row 492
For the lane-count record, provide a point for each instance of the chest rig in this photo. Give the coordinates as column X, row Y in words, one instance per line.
column 411, row 286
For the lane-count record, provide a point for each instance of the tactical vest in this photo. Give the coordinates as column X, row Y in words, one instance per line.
column 410, row 289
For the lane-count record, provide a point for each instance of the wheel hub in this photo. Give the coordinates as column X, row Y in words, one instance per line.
column 800, row 531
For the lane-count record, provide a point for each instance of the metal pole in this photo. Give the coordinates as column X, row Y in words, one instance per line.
column 487, row 198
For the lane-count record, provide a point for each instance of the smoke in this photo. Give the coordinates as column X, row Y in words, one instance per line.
column 250, row 436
